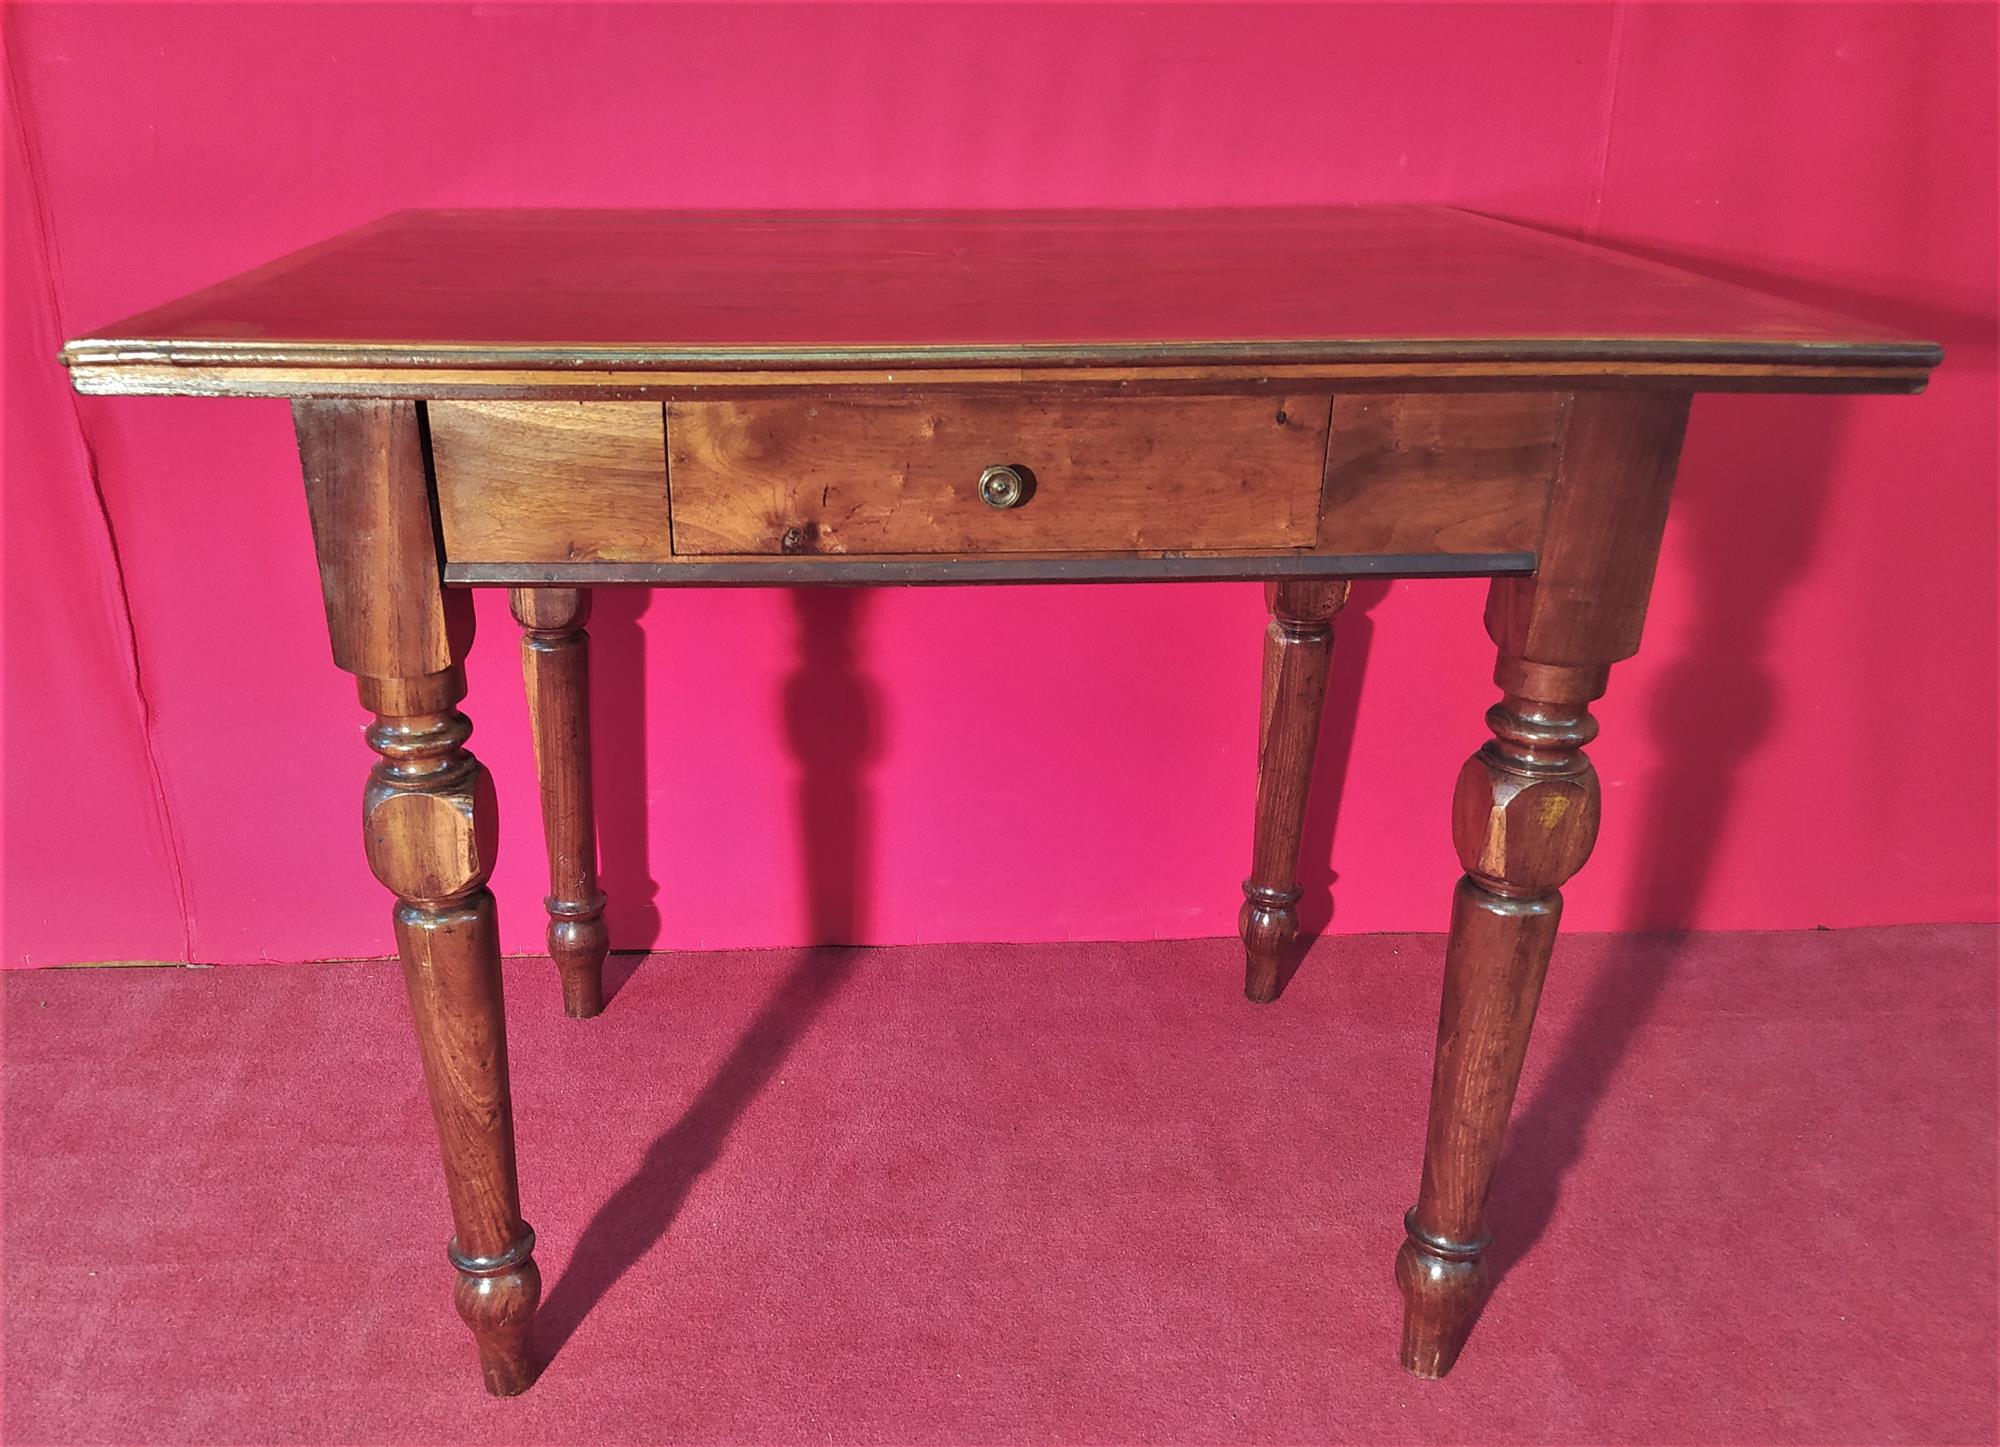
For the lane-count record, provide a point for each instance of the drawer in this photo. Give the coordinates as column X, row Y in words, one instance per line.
column 836, row 476
column 551, row 482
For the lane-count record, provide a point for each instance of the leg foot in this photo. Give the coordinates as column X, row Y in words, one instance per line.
column 1269, row 924
column 1443, row 1284
column 1297, row 648
column 579, row 943
column 497, row 1302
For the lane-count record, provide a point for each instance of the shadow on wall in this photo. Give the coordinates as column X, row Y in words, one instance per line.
column 1748, row 519
column 833, row 727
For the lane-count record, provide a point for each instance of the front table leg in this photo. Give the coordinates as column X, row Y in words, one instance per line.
column 1298, row 647
column 429, row 823
column 429, row 826
column 1524, row 817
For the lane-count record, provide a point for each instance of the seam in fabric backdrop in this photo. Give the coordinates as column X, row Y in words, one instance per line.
column 1614, row 63
column 155, row 771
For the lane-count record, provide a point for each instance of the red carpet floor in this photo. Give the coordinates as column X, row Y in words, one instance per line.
column 1077, row 1193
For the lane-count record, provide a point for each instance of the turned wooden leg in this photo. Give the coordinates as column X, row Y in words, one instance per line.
column 1297, row 647
column 429, row 826
column 555, row 660
column 1524, row 816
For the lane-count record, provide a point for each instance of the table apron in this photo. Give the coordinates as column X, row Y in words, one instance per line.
column 833, row 489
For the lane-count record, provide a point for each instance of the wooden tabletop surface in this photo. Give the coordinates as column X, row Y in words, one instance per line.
column 648, row 289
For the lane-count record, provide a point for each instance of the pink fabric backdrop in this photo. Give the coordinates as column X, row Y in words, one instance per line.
column 1809, row 737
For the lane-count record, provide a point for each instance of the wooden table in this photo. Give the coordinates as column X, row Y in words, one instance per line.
column 550, row 401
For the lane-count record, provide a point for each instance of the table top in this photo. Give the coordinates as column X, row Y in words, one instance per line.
column 1428, row 289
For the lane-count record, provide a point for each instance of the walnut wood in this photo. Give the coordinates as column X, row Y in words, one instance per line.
column 1298, row 644
column 1436, row 476
column 555, row 661
column 429, row 826
column 1524, row 818
column 599, row 301
column 1438, row 473
column 833, row 475
column 369, row 500
column 325, row 373
column 551, row 481
column 1586, row 602
column 555, row 400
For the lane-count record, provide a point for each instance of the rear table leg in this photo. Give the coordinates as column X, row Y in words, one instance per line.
column 1298, row 645
column 555, row 662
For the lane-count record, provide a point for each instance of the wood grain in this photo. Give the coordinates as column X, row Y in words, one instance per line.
column 429, row 828
column 1586, row 603
column 1298, row 648
column 494, row 397
column 1439, row 473
column 833, row 476
column 555, row 665
column 369, row 499
column 642, row 291
column 326, row 373
column 551, row 481
column 1524, row 819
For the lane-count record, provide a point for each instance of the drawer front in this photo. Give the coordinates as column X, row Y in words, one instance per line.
column 551, row 482
column 818, row 476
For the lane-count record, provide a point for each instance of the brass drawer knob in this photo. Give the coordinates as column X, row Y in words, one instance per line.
column 1003, row 487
